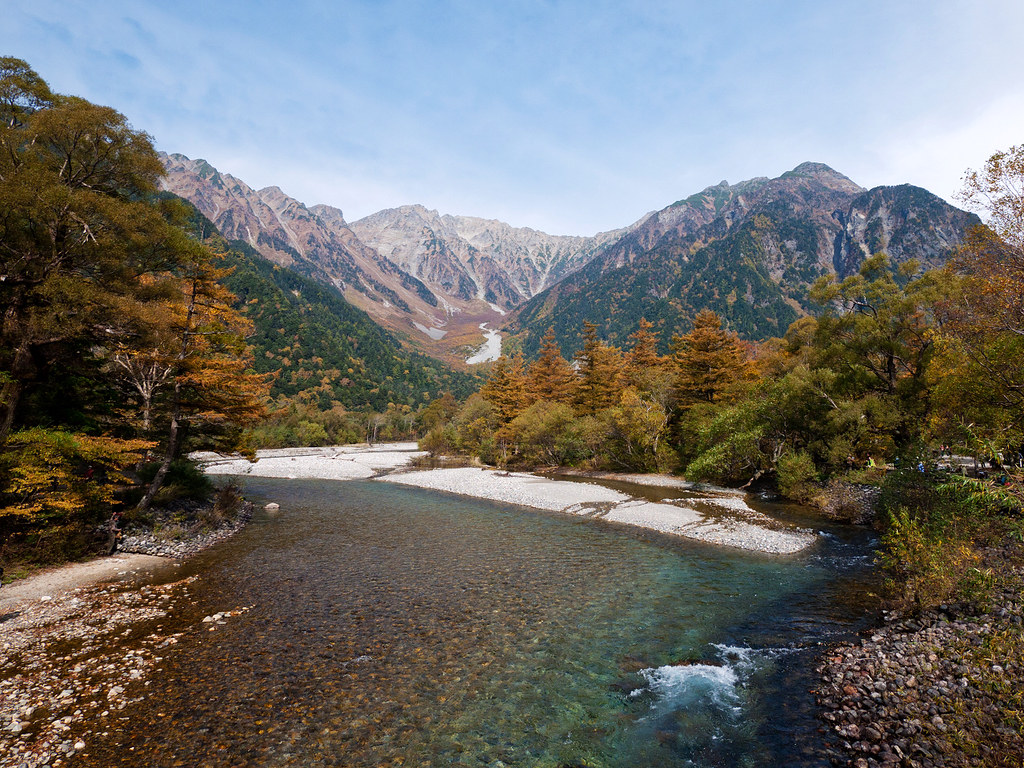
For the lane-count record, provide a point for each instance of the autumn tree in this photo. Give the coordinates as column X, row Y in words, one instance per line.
column 505, row 388
column 550, row 377
column 213, row 390
column 707, row 361
column 600, row 369
column 987, row 316
column 647, row 371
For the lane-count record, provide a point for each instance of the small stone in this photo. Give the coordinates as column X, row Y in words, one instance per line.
column 79, row 745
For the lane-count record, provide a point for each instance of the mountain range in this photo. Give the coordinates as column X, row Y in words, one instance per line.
column 748, row 250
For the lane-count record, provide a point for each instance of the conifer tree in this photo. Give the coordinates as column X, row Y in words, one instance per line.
column 550, row 377
column 505, row 389
column 647, row 371
column 601, row 372
column 707, row 360
column 212, row 386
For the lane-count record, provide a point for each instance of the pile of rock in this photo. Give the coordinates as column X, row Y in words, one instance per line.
column 849, row 502
column 187, row 540
column 930, row 690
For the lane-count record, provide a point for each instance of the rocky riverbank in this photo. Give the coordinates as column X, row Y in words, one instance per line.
column 182, row 535
column 941, row 689
column 86, row 651
column 71, row 650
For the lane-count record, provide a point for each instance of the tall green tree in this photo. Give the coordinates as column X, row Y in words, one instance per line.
column 75, row 232
column 878, row 335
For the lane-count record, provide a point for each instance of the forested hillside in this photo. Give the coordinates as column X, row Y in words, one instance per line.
column 320, row 349
column 749, row 252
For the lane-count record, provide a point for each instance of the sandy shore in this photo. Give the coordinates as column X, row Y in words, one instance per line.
column 57, row 581
column 717, row 517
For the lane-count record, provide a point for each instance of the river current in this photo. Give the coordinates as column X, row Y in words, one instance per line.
column 394, row 626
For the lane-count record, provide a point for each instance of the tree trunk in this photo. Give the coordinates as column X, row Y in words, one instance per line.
column 10, row 392
column 173, row 441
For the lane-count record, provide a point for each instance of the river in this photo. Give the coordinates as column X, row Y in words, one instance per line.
column 490, row 350
column 397, row 626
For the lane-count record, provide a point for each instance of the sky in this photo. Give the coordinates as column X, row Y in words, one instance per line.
column 571, row 117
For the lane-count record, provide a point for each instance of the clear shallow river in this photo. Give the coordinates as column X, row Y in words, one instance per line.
column 395, row 626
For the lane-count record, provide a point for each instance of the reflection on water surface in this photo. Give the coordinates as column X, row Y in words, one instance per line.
column 394, row 626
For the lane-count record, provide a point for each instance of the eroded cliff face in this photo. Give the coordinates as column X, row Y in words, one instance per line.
column 470, row 257
column 905, row 221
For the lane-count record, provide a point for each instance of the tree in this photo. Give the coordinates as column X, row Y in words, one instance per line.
column 600, row 373
column 75, row 232
column 550, row 377
column 212, row 386
column 707, row 361
column 647, row 371
column 505, row 388
column 987, row 316
column 878, row 335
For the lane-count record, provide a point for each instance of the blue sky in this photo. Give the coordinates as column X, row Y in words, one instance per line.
column 570, row 117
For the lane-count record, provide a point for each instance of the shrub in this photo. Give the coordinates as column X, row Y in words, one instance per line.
column 184, row 481
column 797, row 476
column 925, row 563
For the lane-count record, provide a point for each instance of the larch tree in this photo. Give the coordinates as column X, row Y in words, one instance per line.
column 212, row 388
column 601, row 373
column 707, row 361
column 550, row 377
column 505, row 388
column 647, row 371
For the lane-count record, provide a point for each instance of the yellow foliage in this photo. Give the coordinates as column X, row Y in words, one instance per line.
column 58, row 473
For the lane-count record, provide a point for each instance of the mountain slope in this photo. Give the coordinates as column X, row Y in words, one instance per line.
column 322, row 349
column 468, row 257
column 430, row 279
column 749, row 251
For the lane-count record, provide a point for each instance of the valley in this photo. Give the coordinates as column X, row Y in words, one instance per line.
column 749, row 251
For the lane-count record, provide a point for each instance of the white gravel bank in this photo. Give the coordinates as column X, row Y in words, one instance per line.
column 344, row 462
column 728, row 520
column 511, row 487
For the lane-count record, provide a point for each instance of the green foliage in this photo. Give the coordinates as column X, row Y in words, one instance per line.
column 546, row 433
column 184, row 481
column 924, row 562
column 797, row 476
